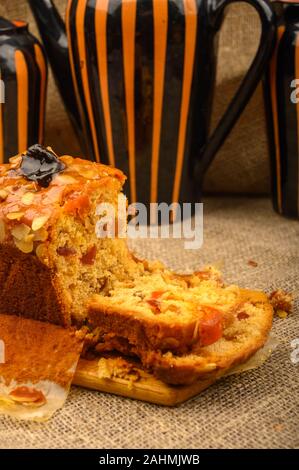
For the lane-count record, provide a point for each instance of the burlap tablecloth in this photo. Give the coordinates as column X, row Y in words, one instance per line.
column 259, row 408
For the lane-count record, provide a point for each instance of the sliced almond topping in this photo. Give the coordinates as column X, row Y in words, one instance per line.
column 53, row 195
column 31, row 186
column 2, row 231
column 88, row 174
column 21, row 231
column 27, row 199
column 28, row 396
column 40, row 235
column 29, row 238
column 41, row 251
column 8, row 189
column 15, row 215
column 15, row 161
column 67, row 159
column 15, row 158
column 24, row 246
column 65, row 179
column 39, row 222
column 3, row 194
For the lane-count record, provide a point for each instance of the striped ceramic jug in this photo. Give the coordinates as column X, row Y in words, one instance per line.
column 23, row 75
column 281, row 91
column 139, row 84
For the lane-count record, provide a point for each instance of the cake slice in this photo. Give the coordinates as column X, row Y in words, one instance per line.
column 242, row 337
column 158, row 309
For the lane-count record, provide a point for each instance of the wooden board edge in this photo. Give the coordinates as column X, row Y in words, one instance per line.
column 147, row 388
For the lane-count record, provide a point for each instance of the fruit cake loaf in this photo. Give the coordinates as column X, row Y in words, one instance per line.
column 52, row 261
column 50, row 257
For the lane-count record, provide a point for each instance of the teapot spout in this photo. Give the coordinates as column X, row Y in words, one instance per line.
column 53, row 33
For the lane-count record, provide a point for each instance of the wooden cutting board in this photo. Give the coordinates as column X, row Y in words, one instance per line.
column 146, row 388
column 149, row 388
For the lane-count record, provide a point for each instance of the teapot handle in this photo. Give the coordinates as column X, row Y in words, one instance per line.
column 249, row 82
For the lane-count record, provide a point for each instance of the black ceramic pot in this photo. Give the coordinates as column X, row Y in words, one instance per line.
column 143, row 74
column 281, row 90
column 23, row 73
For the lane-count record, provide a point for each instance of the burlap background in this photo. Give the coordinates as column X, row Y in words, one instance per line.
column 259, row 408
column 242, row 163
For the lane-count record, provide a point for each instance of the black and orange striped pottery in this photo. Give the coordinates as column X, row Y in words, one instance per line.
column 281, row 89
column 23, row 74
column 142, row 72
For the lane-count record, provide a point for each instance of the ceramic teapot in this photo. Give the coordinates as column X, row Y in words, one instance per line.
column 281, row 92
column 137, row 77
column 23, row 74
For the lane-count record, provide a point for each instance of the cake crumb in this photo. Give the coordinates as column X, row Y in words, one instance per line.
column 252, row 263
column 278, row 427
column 281, row 314
column 282, row 302
column 109, row 368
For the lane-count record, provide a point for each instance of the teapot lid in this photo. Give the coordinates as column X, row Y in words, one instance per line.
column 7, row 26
